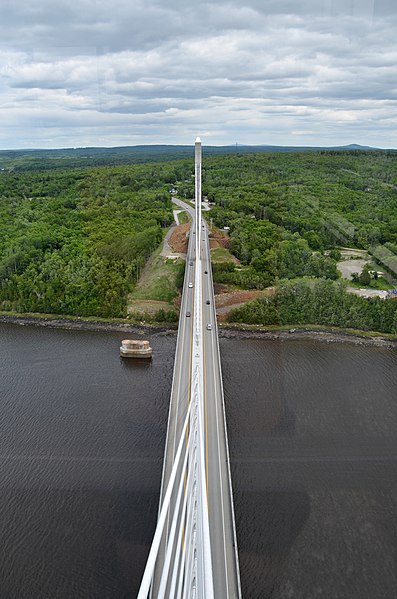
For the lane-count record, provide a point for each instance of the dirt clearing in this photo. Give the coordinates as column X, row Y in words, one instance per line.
column 179, row 239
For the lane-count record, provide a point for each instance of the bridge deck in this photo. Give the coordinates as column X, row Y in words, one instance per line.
column 219, row 493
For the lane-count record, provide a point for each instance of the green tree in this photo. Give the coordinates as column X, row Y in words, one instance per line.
column 364, row 277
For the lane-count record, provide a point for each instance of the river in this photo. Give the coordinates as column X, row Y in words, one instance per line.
column 313, row 442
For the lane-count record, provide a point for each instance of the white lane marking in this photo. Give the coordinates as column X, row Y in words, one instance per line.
column 218, row 441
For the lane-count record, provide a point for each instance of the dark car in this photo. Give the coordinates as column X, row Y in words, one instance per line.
column 208, row 302
column 188, row 314
column 191, row 263
column 206, row 272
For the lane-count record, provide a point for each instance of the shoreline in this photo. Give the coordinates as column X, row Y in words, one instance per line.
column 299, row 332
column 77, row 323
column 311, row 332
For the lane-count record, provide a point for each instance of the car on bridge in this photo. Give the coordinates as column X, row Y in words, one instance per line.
column 190, row 285
column 209, row 326
column 188, row 314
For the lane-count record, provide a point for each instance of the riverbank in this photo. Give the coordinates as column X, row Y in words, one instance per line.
column 228, row 331
column 86, row 324
column 315, row 332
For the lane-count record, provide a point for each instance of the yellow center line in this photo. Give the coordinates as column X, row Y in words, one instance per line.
column 205, row 392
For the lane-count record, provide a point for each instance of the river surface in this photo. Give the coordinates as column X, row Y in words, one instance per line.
column 313, row 442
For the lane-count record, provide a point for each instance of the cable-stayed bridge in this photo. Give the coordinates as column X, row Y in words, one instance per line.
column 194, row 550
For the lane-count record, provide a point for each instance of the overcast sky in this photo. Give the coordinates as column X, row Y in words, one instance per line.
column 126, row 72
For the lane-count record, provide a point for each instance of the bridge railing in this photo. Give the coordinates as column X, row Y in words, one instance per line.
column 186, row 568
column 185, row 565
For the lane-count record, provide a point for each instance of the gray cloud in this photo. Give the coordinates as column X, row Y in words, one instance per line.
column 309, row 72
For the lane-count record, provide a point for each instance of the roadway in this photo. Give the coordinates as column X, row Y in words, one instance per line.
column 219, row 492
column 220, row 498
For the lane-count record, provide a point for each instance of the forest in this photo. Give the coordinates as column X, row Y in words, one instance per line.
column 288, row 216
column 38, row 159
column 74, row 240
column 319, row 301
column 327, row 198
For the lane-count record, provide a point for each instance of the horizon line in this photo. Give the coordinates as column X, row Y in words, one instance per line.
column 186, row 145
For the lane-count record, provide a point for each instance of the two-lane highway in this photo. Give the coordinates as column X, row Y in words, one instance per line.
column 219, row 488
column 223, row 543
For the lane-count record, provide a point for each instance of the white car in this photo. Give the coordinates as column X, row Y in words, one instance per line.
column 190, row 284
column 209, row 326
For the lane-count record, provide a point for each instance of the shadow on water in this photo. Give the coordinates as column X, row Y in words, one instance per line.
column 266, row 536
column 136, row 363
column 312, row 431
column 287, row 422
column 270, row 512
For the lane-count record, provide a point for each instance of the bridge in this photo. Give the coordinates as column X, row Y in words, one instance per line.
column 194, row 549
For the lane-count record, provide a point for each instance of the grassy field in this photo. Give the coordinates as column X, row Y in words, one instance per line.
column 158, row 280
column 183, row 217
column 157, row 288
column 379, row 283
column 222, row 255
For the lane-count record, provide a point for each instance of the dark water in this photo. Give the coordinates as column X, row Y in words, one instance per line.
column 313, row 442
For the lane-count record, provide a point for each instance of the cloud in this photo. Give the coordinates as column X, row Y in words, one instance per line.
column 135, row 72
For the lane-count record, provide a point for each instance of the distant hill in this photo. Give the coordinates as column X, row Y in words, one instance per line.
column 99, row 156
column 355, row 147
column 265, row 148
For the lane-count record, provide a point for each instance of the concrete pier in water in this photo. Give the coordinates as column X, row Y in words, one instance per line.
column 131, row 348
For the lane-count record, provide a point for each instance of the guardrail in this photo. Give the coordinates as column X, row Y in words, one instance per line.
column 186, row 570
column 183, row 523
